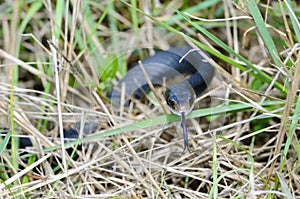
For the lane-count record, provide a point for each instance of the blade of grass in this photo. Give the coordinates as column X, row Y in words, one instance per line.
column 263, row 76
column 293, row 18
column 14, row 140
column 292, row 132
column 164, row 119
column 202, row 46
column 114, row 29
column 134, row 16
column 201, row 6
column 285, row 187
column 42, row 124
column 24, row 171
column 235, row 144
column 15, row 74
column 89, row 17
column 168, row 189
column 260, row 24
column 59, row 12
column 4, row 142
column 289, row 101
column 252, row 167
column 293, row 126
column 214, row 190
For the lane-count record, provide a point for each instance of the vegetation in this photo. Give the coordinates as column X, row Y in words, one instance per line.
column 61, row 59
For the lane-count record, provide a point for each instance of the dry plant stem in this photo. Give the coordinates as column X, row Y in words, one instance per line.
column 256, row 176
column 24, row 171
column 286, row 25
column 110, row 159
column 266, row 13
column 37, row 41
column 234, row 45
column 227, row 24
column 217, row 20
column 260, row 103
column 99, row 100
column 152, row 88
column 38, row 184
column 224, row 73
column 56, row 178
column 6, row 45
column 136, row 157
column 27, row 67
column 59, row 107
column 244, row 41
column 66, row 46
column 286, row 114
column 63, row 80
column 58, row 83
column 14, row 34
column 36, row 72
column 24, row 123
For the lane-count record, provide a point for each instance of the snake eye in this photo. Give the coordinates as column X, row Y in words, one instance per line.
column 171, row 102
column 171, row 99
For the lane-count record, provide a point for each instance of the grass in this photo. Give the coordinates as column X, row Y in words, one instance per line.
column 59, row 61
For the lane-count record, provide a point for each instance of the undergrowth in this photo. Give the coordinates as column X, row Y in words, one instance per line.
column 61, row 60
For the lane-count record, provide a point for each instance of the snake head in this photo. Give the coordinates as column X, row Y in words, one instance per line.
column 180, row 98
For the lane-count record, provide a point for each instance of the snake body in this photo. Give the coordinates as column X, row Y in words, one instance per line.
column 166, row 65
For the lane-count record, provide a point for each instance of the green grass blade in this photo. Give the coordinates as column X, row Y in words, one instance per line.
column 89, row 17
column 214, row 190
column 59, row 12
column 260, row 24
column 262, row 75
column 294, row 19
column 291, row 134
column 134, row 15
column 4, row 142
column 164, row 119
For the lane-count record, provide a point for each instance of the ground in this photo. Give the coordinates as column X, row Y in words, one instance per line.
column 61, row 60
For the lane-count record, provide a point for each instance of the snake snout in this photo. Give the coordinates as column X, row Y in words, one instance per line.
column 180, row 98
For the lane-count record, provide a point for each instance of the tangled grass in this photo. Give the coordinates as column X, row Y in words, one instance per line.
column 59, row 61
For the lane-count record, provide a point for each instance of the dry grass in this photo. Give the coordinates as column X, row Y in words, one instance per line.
column 56, row 72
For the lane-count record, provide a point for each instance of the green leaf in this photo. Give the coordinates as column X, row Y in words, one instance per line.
column 110, row 67
column 4, row 142
column 257, row 84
